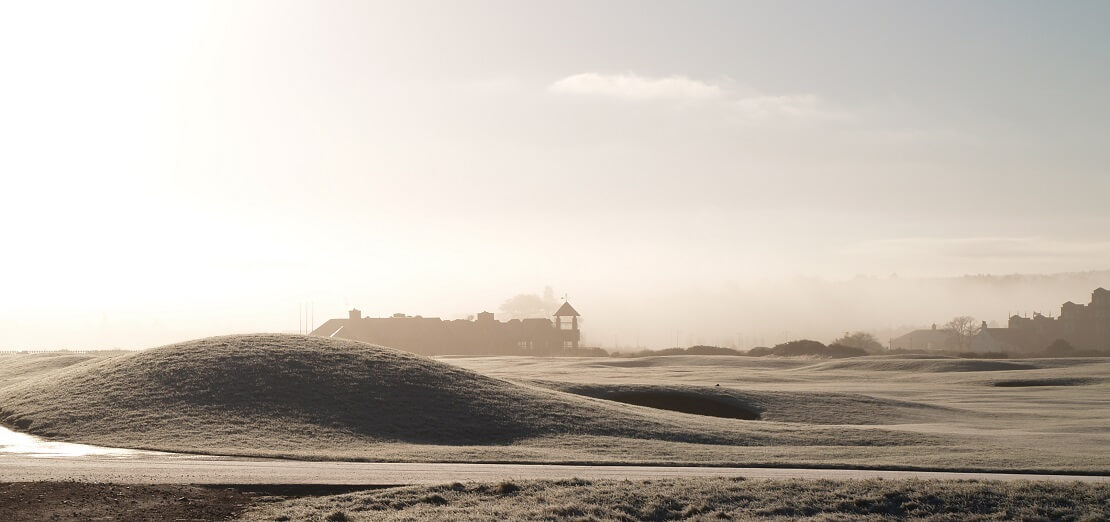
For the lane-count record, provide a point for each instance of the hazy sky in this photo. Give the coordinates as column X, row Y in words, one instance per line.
column 174, row 171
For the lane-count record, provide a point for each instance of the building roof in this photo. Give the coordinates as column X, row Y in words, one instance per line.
column 567, row 311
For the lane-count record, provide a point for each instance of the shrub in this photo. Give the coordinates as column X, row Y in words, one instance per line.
column 802, row 347
column 711, row 350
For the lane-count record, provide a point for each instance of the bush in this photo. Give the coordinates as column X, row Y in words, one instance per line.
column 861, row 340
column 839, row 350
column 796, row 348
column 807, row 347
column 711, row 350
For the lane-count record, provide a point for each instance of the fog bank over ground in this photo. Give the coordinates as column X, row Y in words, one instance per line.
column 769, row 312
column 622, row 314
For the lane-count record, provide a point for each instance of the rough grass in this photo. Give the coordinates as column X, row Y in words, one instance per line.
column 708, row 499
column 309, row 397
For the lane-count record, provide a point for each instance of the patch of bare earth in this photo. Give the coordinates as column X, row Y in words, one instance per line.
column 84, row 501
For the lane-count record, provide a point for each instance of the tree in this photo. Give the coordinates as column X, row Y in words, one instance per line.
column 524, row 305
column 963, row 328
column 862, row 340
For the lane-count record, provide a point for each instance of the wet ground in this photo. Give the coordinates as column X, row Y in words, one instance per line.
column 28, row 445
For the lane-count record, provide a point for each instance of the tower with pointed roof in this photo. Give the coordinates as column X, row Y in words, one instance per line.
column 566, row 324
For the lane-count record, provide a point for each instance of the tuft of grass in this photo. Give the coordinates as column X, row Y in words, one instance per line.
column 337, row 516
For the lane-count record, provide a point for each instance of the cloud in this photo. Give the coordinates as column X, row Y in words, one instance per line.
column 633, row 87
column 759, row 106
column 748, row 104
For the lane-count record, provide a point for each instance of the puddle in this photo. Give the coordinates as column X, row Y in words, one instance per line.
column 12, row 442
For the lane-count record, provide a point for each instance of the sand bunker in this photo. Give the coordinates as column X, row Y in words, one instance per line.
column 1018, row 383
column 685, row 402
column 803, row 407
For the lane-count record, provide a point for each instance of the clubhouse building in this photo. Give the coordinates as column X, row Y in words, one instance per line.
column 482, row 336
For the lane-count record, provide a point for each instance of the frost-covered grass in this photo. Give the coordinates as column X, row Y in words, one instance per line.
column 312, row 398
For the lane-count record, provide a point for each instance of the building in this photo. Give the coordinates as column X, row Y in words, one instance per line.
column 928, row 340
column 1086, row 327
column 482, row 336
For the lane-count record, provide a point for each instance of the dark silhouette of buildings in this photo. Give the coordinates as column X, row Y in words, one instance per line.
column 1086, row 327
column 482, row 336
column 933, row 339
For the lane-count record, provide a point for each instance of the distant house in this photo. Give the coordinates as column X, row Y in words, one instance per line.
column 1006, row 340
column 481, row 336
column 933, row 339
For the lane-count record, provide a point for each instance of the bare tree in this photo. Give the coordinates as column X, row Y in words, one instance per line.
column 963, row 328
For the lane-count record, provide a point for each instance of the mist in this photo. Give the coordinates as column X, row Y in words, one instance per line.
column 652, row 316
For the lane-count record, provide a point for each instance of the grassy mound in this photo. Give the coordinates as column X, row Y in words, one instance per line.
column 803, row 407
column 306, row 396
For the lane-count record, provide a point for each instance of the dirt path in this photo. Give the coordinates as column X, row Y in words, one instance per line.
column 26, row 458
column 177, row 469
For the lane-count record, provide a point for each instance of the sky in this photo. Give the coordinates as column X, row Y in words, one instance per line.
column 178, row 170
